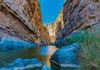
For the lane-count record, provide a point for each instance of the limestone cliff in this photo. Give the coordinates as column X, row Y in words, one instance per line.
column 22, row 19
column 79, row 14
column 56, row 27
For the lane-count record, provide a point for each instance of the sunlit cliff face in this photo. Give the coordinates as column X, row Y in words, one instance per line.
column 37, row 19
column 55, row 27
column 22, row 19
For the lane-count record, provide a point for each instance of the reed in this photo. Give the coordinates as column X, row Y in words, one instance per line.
column 89, row 54
column 90, row 50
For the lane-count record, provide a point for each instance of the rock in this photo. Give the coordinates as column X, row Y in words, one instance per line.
column 65, row 58
column 22, row 64
column 61, row 43
column 12, row 22
column 10, row 43
column 22, row 19
column 79, row 14
column 75, row 36
column 55, row 28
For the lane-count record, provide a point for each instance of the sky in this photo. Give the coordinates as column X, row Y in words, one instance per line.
column 50, row 10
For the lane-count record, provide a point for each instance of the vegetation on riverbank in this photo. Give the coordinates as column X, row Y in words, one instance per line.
column 89, row 54
column 90, row 50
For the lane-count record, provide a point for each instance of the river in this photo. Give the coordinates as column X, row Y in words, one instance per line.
column 43, row 53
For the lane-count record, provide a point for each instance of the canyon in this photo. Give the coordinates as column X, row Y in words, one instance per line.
column 76, row 28
column 22, row 19
column 78, row 15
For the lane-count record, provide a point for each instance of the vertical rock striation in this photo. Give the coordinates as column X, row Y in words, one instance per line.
column 22, row 19
column 56, row 27
column 79, row 14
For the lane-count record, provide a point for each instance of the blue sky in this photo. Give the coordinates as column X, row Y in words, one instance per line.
column 50, row 10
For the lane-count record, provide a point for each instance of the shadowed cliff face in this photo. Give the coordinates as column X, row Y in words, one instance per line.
column 22, row 19
column 79, row 14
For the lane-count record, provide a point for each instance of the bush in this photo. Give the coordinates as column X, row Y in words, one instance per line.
column 89, row 55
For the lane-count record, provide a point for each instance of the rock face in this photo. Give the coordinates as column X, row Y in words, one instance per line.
column 22, row 19
column 79, row 14
column 52, row 31
column 84, row 15
column 59, row 22
column 56, row 27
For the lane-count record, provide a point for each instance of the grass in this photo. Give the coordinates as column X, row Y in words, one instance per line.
column 89, row 55
column 90, row 50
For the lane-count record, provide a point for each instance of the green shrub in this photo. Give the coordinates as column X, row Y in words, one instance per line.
column 89, row 55
column 90, row 50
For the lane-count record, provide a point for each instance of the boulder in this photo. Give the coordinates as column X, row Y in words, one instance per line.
column 65, row 58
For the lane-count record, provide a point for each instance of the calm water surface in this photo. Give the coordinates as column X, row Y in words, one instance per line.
column 42, row 53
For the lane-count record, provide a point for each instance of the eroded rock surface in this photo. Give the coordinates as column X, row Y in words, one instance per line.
column 22, row 19
column 79, row 14
column 56, row 27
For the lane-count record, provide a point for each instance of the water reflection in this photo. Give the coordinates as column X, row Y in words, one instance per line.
column 43, row 53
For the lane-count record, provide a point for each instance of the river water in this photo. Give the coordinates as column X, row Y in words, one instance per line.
column 43, row 53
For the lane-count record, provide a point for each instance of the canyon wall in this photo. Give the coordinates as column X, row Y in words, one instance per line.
column 22, row 19
column 79, row 14
column 56, row 27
